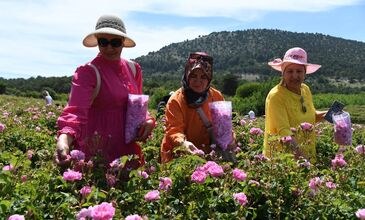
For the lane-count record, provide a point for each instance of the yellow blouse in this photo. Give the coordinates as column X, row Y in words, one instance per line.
column 283, row 111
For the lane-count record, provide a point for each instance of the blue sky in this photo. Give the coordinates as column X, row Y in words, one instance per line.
column 43, row 37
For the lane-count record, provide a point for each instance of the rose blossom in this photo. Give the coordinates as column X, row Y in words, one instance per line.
column 315, row 183
column 77, row 155
column 71, row 175
column 331, row 185
column 338, row 161
column 306, row 126
column 110, row 179
column 8, row 167
column 30, row 154
column 84, row 213
column 2, row 127
column 143, row 174
column 198, row 176
column 85, row 191
column 286, row 139
column 241, row 198
column 133, row 217
column 152, row 195
column 165, row 183
column 360, row 149
column 212, row 168
column 104, row 211
column 239, row 175
column 360, row 214
column 23, row 178
column 16, row 217
column 256, row 131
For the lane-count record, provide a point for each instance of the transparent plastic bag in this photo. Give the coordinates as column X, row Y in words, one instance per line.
column 135, row 116
column 342, row 127
column 221, row 113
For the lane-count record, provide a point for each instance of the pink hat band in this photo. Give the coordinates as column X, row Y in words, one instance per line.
column 294, row 55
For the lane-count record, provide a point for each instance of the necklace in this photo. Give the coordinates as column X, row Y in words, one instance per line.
column 304, row 109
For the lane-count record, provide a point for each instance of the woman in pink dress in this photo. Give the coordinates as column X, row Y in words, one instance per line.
column 96, row 124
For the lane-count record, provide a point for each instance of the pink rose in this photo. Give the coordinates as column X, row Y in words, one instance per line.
column 30, row 154
column 2, row 127
column 143, row 174
column 84, row 213
column 241, row 198
column 306, row 126
column 152, row 195
column 360, row 214
column 110, row 179
column 315, row 183
column 360, row 149
column 104, row 211
column 16, row 217
column 198, row 177
column 339, row 161
column 239, row 175
column 71, row 175
column 77, row 155
column 256, row 131
column 133, row 217
column 23, row 178
column 331, row 185
column 8, row 168
column 85, row 191
column 165, row 183
column 286, row 139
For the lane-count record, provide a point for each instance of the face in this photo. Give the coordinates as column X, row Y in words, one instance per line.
column 293, row 76
column 198, row 80
column 110, row 52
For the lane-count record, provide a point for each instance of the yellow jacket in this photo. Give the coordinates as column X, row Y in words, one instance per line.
column 184, row 123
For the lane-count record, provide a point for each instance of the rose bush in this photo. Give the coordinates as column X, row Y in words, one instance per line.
column 189, row 187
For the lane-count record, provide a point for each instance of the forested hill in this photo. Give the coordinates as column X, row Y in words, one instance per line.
column 248, row 51
column 237, row 55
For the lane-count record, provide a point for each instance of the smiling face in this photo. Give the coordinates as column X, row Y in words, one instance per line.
column 198, row 80
column 108, row 51
column 293, row 76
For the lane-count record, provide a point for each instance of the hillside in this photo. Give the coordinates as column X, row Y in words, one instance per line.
column 242, row 53
column 248, row 51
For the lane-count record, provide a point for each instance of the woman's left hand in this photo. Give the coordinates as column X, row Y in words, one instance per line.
column 233, row 144
column 320, row 115
column 145, row 130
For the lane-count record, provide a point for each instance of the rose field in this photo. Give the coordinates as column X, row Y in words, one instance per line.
column 197, row 186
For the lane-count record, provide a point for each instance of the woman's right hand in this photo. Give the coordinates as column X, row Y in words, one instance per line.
column 190, row 147
column 62, row 154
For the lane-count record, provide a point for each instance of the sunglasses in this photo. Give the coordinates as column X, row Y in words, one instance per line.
column 115, row 42
column 304, row 109
column 200, row 57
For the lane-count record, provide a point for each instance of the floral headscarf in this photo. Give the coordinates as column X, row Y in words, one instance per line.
column 195, row 61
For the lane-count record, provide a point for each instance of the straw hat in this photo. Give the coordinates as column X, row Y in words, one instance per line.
column 108, row 24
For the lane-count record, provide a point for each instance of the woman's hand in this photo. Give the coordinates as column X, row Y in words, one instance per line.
column 145, row 130
column 62, row 154
column 190, row 147
column 320, row 115
column 233, row 144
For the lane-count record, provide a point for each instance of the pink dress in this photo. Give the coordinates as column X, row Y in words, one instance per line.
column 98, row 126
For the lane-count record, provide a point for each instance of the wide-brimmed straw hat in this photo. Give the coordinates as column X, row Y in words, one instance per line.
column 108, row 24
column 294, row 55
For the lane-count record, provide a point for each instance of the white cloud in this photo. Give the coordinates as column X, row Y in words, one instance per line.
column 44, row 37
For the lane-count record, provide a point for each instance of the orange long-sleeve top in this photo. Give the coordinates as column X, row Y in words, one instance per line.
column 184, row 123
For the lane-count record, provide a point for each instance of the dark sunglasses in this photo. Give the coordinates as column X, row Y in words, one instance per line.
column 304, row 109
column 115, row 42
column 200, row 57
